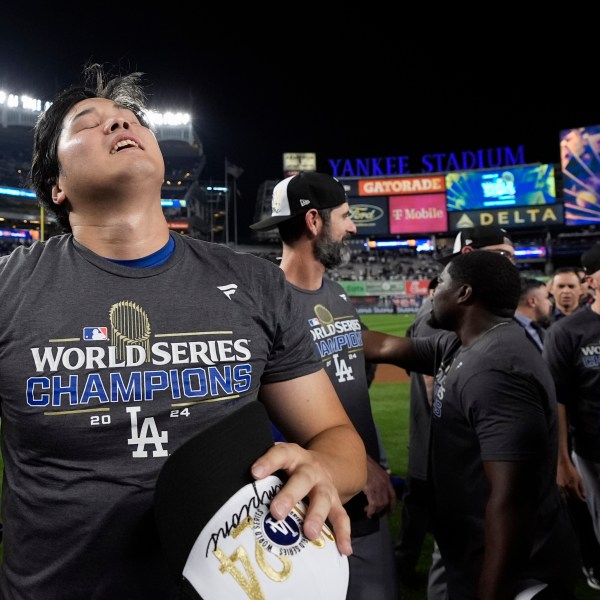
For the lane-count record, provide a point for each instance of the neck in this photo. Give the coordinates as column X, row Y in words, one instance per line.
column 528, row 314
column 567, row 310
column 476, row 325
column 122, row 236
column 300, row 266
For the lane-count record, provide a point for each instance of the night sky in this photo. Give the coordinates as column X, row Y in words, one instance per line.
column 347, row 84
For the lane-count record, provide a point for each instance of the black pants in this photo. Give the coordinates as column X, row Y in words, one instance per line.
column 414, row 525
column 582, row 521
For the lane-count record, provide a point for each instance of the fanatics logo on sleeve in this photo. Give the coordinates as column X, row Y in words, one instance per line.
column 228, row 290
column 95, row 333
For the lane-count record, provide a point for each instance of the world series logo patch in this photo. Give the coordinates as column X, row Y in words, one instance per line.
column 283, row 538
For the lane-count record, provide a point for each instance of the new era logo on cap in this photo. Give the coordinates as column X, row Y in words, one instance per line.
column 297, row 194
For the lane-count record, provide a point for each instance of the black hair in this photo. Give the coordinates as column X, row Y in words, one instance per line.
column 574, row 270
column 527, row 285
column 495, row 281
column 125, row 90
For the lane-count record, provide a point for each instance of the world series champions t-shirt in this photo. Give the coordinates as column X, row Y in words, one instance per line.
column 104, row 371
column 336, row 331
column 572, row 349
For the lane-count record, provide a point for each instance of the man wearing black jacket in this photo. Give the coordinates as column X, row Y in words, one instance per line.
column 534, row 310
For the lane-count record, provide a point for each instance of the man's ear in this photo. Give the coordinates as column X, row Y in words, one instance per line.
column 312, row 219
column 465, row 294
column 58, row 195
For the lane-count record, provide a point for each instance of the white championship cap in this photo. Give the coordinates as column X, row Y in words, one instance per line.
column 216, row 529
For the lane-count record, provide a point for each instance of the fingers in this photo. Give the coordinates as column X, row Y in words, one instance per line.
column 381, row 499
column 308, row 481
column 379, row 490
column 390, row 494
column 393, row 498
column 341, row 526
column 305, row 476
column 319, row 508
column 580, row 490
column 378, row 501
column 574, row 489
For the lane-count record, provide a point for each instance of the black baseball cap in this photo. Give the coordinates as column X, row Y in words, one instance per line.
column 203, row 472
column 477, row 237
column 590, row 260
column 296, row 195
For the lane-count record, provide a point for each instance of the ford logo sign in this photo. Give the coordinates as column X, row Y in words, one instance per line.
column 363, row 214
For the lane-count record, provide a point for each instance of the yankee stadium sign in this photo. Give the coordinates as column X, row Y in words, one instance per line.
column 465, row 160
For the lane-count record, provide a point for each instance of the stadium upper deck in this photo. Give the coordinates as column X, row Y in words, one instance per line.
column 199, row 209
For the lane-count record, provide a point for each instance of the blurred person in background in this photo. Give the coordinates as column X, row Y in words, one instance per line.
column 572, row 350
column 534, row 310
column 533, row 313
column 565, row 288
column 415, row 520
column 587, row 294
column 482, row 237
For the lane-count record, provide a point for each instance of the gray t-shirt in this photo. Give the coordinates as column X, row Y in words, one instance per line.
column 572, row 350
column 336, row 331
column 104, row 371
column 420, row 410
column 494, row 401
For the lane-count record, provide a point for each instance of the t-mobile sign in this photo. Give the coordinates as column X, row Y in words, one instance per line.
column 418, row 213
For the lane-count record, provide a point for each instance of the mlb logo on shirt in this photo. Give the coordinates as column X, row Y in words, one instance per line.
column 95, row 333
column 314, row 322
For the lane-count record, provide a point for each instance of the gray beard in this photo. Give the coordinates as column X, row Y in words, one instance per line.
column 330, row 253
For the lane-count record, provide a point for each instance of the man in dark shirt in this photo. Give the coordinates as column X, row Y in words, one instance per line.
column 534, row 310
column 499, row 520
column 572, row 350
column 416, row 502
